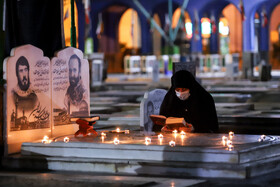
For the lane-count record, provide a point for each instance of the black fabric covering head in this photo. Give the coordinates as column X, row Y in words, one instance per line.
column 183, row 79
column 198, row 110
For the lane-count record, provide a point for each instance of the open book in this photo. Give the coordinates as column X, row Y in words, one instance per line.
column 86, row 118
column 171, row 122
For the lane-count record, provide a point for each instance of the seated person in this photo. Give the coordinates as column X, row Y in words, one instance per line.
column 188, row 99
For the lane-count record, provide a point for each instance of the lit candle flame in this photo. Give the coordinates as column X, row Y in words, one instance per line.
column 148, row 140
column 118, row 130
column 230, row 147
column 103, row 134
column 116, row 141
column 175, row 131
column 182, row 133
column 224, row 140
column 172, row 143
column 160, row 136
column 66, row 139
column 46, row 140
column 229, row 143
column 231, row 134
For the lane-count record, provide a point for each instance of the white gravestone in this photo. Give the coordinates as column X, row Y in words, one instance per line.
column 150, row 104
column 70, row 85
column 28, row 110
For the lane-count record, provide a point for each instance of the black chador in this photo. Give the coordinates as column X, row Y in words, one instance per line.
column 198, row 109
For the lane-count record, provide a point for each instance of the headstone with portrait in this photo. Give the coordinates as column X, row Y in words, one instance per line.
column 150, row 104
column 28, row 109
column 70, row 89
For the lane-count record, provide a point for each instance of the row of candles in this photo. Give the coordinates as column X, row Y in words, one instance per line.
column 226, row 141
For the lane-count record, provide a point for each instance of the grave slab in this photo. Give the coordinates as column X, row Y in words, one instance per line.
column 200, row 155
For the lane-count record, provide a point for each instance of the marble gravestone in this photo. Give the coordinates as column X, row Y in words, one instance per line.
column 189, row 66
column 28, row 97
column 70, row 89
column 150, row 104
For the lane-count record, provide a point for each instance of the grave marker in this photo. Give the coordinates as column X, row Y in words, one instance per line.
column 70, row 95
column 28, row 96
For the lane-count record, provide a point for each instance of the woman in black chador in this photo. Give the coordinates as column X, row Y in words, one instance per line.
column 187, row 98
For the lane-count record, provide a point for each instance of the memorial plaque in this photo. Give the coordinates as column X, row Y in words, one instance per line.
column 150, row 105
column 70, row 85
column 28, row 96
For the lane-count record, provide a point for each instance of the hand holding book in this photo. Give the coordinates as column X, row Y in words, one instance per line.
column 171, row 123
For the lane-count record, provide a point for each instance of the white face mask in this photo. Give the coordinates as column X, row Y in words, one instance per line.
column 183, row 95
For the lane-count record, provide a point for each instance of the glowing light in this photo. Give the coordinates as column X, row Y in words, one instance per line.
column 205, row 27
column 229, row 143
column 46, row 140
column 182, row 133
column 102, row 139
column 230, row 147
column 231, row 134
column 175, row 131
column 103, row 134
column 160, row 136
column 116, row 141
column 224, row 140
column 172, row 143
column 263, row 137
column 66, row 139
column 148, row 140
column 118, row 130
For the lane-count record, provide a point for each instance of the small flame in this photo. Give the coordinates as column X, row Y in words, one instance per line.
column 172, row 143
column 116, row 141
column 66, row 139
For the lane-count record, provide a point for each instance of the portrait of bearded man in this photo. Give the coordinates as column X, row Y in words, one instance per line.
column 75, row 97
column 25, row 97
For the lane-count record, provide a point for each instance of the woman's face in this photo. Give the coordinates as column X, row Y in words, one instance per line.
column 182, row 93
column 181, row 89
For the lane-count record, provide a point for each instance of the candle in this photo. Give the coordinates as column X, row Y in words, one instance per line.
column 231, row 134
column 66, row 139
column 126, row 131
column 175, row 131
column 182, row 133
column 230, row 147
column 45, row 140
column 116, row 141
column 229, row 142
column 172, row 143
column 103, row 134
column 148, row 140
column 102, row 139
column 224, row 140
column 160, row 136
column 118, row 130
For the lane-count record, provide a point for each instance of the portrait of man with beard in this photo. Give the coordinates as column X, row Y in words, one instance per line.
column 25, row 98
column 75, row 97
